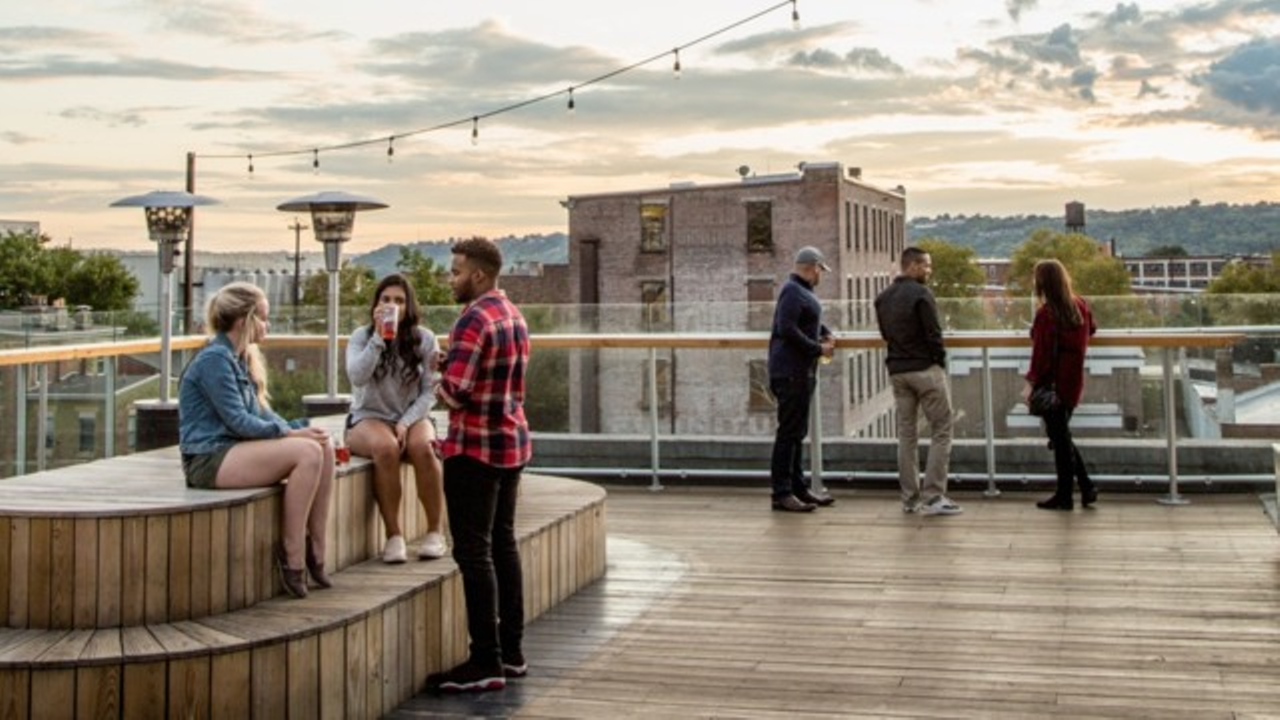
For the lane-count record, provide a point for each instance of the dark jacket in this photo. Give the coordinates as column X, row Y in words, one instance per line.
column 908, row 319
column 794, row 343
column 1070, row 348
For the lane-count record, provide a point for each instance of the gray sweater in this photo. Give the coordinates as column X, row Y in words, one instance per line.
column 390, row 398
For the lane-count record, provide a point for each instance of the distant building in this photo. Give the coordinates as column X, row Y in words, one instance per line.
column 1191, row 273
column 690, row 258
column 19, row 227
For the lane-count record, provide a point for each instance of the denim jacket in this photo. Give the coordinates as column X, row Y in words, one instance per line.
column 218, row 403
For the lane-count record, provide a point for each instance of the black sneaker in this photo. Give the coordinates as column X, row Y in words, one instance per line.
column 468, row 677
column 514, row 665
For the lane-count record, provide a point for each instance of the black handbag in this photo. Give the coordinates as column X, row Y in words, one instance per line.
column 1044, row 398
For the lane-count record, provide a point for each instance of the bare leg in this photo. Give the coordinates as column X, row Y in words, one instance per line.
column 318, row 520
column 427, row 473
column 376, row 440
column 260, row 463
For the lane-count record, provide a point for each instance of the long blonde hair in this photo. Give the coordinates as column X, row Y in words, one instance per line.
column 233, row 302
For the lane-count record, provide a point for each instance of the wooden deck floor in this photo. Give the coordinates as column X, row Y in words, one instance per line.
column 713, row 606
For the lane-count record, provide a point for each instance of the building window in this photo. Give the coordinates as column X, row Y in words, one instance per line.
column 759, row 226
column 653, row 227
column 656, row 312
column 759, row 398
column 88, row 432
column 759, row 304
column 664, row 386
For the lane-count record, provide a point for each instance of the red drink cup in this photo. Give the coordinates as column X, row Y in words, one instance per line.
column 342, row 454
column 387, row 322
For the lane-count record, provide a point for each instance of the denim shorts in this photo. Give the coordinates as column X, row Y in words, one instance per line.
column 202, row 470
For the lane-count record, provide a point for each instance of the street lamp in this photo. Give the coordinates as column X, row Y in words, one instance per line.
column 168, row 223
column 332, row 216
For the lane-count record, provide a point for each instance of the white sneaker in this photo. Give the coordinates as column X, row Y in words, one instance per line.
column 433, row 546
column 940, row 505
column 394, row 552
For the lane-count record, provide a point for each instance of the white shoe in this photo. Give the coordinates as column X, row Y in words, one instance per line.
column 433, row 546
column 940, row 505
column 394, row 552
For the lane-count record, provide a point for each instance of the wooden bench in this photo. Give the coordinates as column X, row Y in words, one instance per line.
column 1271, row 500
column 113, row 605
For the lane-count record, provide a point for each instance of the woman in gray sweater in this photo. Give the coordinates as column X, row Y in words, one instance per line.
column 390, row 363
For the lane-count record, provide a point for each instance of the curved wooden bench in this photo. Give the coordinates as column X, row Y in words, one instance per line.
column 111, row 608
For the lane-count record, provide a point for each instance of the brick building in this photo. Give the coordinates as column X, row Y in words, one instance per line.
column 710, row 258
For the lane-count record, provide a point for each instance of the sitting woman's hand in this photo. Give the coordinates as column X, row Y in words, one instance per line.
column 320, row 435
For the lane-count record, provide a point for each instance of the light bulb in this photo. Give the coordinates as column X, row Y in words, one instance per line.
column 571, row 103
column 475, row 131
column 315, row 161
column 250, row 166
column 795, row 16
column 676, row 67
column 391, row 149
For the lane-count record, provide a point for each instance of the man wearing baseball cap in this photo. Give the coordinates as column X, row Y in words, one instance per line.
column 797, row 341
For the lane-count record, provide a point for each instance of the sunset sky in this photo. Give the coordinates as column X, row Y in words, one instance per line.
column 985, row 106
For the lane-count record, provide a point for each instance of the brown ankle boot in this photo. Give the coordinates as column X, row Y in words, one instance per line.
column 316, row 568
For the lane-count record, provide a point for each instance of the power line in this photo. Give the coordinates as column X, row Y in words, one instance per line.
column 474, row 120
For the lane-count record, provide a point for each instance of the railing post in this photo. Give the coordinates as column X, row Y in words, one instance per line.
column 109, row 407
column 42, row 418
column 815, row 437
column 654, row 460
column 1171, row 432
column 20, row 424
column 989, row 426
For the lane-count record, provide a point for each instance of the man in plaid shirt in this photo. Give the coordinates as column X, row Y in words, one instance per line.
column 482, row 383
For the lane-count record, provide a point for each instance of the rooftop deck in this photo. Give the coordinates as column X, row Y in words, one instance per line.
column 715, row 606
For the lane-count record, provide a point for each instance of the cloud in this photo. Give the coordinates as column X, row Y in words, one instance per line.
column 17, row 138
column 860, row 59
column 232, row 21
column 1248, row 77
column 15, row 39
column 1058, row 47
column 132, row 117
column 1017, row 7
column 61, row 67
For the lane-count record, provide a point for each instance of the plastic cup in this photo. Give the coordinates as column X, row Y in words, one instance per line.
column 341, row 453
column 387, row 322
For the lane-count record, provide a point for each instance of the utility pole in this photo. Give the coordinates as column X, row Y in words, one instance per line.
column 297, row 227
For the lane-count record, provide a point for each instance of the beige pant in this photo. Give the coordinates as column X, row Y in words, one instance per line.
column 915, row 391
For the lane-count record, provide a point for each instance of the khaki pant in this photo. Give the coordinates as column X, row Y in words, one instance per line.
column 915, row 391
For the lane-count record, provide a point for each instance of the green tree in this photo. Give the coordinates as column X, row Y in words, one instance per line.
column 1240, row 278
column 355, row 286
column 22, row 269
column 28, row 267
column 1093, row 272
column 428, row 278
column 1245, row 294
column 100, row 281
column 1166, row 251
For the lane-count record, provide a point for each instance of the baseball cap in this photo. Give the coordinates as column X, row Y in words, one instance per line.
column 810, row 255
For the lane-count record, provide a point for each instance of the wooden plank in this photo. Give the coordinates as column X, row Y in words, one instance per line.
column 304, row 678
column 85, row 586
column 108, row 581
column 418, row 639
column 201, row 557
column 266, row 532
column 239, row 567
column 53, row 693
column 39, row 575
column 15, row 693
column 332, row 672
column 270, row 673
column 219, row 555
column 6, row 566
column 357, row 666
column 231, row 685
column 189, row 688
column 156, row 602
column 375, row 664
column 144, row 690
column 179, row 567
column 62, row 572
column 133, row 571
column 98, row 691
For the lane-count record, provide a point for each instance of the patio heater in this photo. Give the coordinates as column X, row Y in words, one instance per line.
column 168, row 223
column 333, row 214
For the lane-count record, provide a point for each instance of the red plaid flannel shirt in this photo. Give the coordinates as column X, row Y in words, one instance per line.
column 483, row 383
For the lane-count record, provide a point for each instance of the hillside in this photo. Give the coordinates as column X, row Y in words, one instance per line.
column 550, row 249
column 1200, row 229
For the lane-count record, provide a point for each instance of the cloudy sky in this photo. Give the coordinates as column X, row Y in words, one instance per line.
column 983, row 106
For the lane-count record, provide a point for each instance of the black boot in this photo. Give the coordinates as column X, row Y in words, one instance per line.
column 1088, row 494
column 1055, row 502
column 315, row 567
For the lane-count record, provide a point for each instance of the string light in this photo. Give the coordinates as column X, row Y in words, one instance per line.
column 795, row 16
column 475, row 119
column 250, row 166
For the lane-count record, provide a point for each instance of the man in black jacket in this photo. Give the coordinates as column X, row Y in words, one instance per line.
column 916, row 359
column 796, row 342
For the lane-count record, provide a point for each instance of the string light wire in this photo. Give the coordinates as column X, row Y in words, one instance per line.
column 474, row 120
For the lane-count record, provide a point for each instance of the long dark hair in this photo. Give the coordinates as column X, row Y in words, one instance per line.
column 405, row 346
column 1053, row 287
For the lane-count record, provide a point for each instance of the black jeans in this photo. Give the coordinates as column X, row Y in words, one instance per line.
column 794, row 396
column 481, row 500
column 1066, row 457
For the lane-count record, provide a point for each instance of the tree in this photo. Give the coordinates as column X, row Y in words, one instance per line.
column 22, row 270
column 1245, row 294
column 1166, row 251
column 29, row 268
column 355, row 286
column 1240, row 278
column 955, row 269
column 1093, row 273
column 100, row 281
column 426, row 276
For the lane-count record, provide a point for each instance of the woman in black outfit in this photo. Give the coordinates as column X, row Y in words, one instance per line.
column 1059, row 339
